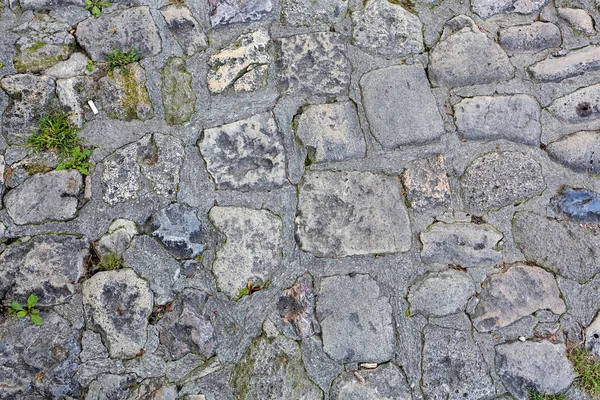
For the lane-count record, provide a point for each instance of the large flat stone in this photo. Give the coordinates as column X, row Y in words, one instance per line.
column 313, row 63
column 351, row 213
column 400, row 106
column 579, row 151
column 441, row 293
column 487, row 8
column 464, row 244
column 229, row 11
column 160, row 158
column 574, row 63
column 580, row 19
column 121, row 176
column 581, row 106
column 246, row 154
column 118, row 304
column 426, row 183
column 509, row 296
column 179, row 99
column 355, row 328
column 252, row 251
column 515, row 118
column 124, row 94
column 187, row 31
column 582, row 299
column 498, row 179
column 45, row 197
column 386, row 29
column 133, row 27
column 535, row 37
column 382, row 383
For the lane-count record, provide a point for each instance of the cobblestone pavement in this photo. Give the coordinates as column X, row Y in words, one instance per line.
column 300, row 199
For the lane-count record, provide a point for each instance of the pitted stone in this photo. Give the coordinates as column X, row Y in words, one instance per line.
column 350, row 213
column 313, row 63
column 355, row 328
column 297, row 307
column 535, row 37
column 464, row 244
column 382, row 383
column 331, row 132
column 252, row 251
column 309, row 12
column 185, row 28
column 118, row 304
column 426, row 183
column 574, row 63
column 520, row 291
column 229, row 11
column 246, row 154
column 400, row 106
column 124, row 94
column 580, row 106
column 388, row 30
column 160, row 158
column 579, row 151
column 179, row 99
column 441, row 293
column 579, row 19
column 498, row 179
column 121, row 176
column 487, row 8
column 515, row 118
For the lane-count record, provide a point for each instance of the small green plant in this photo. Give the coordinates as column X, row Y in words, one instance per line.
column 118, row 59
column 533, row 395
column 252, row 288
column 95, row 6
column 587, row 370
column 17, row 310
column 90, row 65
column 1, row 65
column 78, row 160
column 110, row 262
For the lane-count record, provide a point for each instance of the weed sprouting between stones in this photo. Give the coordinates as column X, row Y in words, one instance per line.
column 95, row 6
column 587, row 370
column 119, row 59
column 110, row 262
column 533, row 395
column 17, row 310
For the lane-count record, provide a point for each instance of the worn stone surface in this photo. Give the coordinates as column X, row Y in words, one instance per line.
column 350, row 213
column 579, row 19
column 384, row 382
column 75, row 65
column 246, row 154
column 426, row 183
column 534, row 37
column 386, row 29
column 45, row 197
column 117, row 305
column 120, row 176
column 516, row 293
column 242, row 66
column 574, row 63
column 515, row 118
column 331, row 132
column 578, row 204
column 355, row 329
column 453, row 366
column 579, row 151
column 118, row 237
column 297, row 307
column 133, row 27
column 308, row 12
column 441, row 293
column 187, row 31
column 464, row 244
column 160, row 158
column 541, row 366
column 124, row 94
column 313, row 63
column 179, row 99
column 582, row 105
column 74, row 93
column 252, row 251
column 486, row 9
column 400, row 107
column 499, row 179
column 230, row 11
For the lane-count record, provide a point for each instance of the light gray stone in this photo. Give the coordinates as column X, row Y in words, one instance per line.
column 252, row 251
column 132, row 27
column 535, row 37
column 49, row 266
column 246, row 154
column 580, row 106
column 124, row 94
column 243, row 65
column 117, row 239
column 229, row 11
column 146, row 366
column 542, row 366
column 177, row 370
column 154, row 264
column 313, row 63
column 75, row 65
column 441, row 293
column 350, row 213
column 515, row 118
column 160, row 158
column 520, row 291
column 93, row 369
column 311, row 13
column 574, row 63
column 118, row 304
column 487, row 8
column 582, row 299
column 580, row 20
column 320, row 368
column 498, row 179
column 453, row 366
column 456, row 60
column 464, row 244
column 579, row 151
column 426, row 183
column 331, row 132
column 179, row 99
column 562, row 247
column 29, row 96
column 48, row 4
column 182, row 24
column 297, row 307
column 382, row 383
column 386, row 29
column 45, row 197
column 400, row 106
column 110, row 386
column 121, row 176
column 355, row 328
column 92, row 347
column 74, row 94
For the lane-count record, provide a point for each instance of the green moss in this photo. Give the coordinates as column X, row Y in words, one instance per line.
column 110, row 262
column 36, row 168
column 134, row 94
column 32, row 60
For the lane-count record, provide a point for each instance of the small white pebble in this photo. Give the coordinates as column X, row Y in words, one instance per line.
column 368, row 365
column 522, row 338
column 93, row 106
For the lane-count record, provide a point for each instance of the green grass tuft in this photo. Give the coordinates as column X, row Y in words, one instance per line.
column 118, row 59
column 533, row 395
column 587, row 370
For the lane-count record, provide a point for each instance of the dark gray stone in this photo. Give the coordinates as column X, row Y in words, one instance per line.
column 382, row 383
column 578, row 204
column 229, row 11
column 498, row 179
column 179, row 99
column 124, row 94
column 320, row 368
column 486, row 8
column 355, row 328
column 160, row 158
column 583, row 105
column 441, row 293
column 297, row 307
column 133, row 27
column 350, row 213
column 400, row 106
column 74, row 94
column 579, row 151
column 574, row 63
column 48, row 4
column 426, row 183
column 582, row 299
column 187, row 31
column 535, row 37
